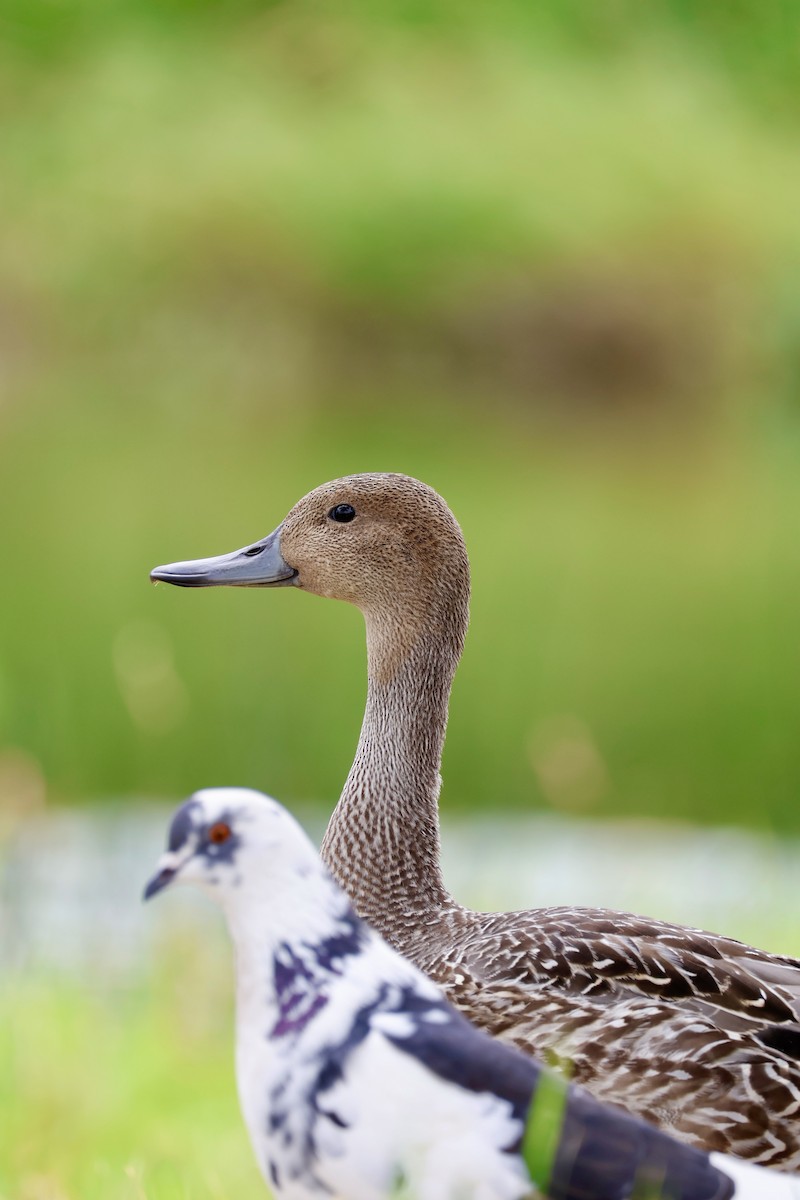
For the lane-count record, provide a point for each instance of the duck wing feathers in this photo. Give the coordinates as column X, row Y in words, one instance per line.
column 697, row 1034
column 610, row 955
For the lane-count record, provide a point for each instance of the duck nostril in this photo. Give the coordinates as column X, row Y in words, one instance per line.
column 253, row 551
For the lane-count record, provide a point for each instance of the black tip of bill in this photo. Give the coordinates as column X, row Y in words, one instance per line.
column 180, row 579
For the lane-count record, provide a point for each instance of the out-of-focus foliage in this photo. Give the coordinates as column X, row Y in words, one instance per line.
column 543, row 256
column 126, row 1094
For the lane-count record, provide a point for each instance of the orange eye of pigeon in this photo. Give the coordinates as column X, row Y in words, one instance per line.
column 219, row 833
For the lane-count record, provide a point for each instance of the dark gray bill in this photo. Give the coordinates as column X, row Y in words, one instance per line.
column 159, row 881
column 258, row 565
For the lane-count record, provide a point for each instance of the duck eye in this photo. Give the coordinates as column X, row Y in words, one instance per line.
column 219, row 832
column 342, row 513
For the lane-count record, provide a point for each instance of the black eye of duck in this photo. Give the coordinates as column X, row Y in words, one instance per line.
column 342, row 513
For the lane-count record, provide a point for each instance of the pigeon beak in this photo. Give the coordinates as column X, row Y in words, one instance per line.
column 162, row 878
column 258, row 565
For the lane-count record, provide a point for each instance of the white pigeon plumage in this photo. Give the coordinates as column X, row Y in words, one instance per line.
column 358, row 1081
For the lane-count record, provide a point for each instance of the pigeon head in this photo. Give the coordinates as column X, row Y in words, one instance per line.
column 221, row 836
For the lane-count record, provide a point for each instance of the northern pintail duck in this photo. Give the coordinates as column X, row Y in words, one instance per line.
column 696, row 1032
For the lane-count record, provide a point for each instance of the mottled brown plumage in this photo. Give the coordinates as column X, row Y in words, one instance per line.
column 694, row 1031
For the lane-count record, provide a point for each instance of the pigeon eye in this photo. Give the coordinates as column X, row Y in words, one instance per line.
column 342, row 513
column 219, row 833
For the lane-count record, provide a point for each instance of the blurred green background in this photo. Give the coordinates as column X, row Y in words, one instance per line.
column 543, row 256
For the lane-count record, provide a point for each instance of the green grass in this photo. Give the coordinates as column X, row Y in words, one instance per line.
column 122, row 1093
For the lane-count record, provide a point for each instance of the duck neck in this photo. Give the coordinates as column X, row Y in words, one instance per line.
column 382, row 843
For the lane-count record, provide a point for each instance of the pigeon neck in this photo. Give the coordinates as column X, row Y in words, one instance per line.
column 283, row 974
column 382, row 843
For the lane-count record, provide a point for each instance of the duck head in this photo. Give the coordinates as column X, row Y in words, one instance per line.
column 380, row 541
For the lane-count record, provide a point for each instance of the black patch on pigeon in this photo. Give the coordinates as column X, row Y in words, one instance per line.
column 182, row 825
column 297, row 1004
column 334, row 1057
column 330, row 1074
column 454, row 1050
column 335, row 1118
column 286, row 969
column 341, row 944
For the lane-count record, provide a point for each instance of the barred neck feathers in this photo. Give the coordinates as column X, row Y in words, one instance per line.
column 382, row 843
column 383, row 838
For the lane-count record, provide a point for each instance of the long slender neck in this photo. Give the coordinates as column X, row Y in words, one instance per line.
column 382, row 843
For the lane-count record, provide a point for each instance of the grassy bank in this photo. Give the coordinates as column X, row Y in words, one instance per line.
column 122, row 1094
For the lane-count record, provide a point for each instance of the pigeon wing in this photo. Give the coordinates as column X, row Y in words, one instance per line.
column 601, row 1152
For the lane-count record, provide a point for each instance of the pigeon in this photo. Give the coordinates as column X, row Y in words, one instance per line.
column 359, row 1081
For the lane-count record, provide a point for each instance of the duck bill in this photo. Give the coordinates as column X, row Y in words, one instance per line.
column 259, row 565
